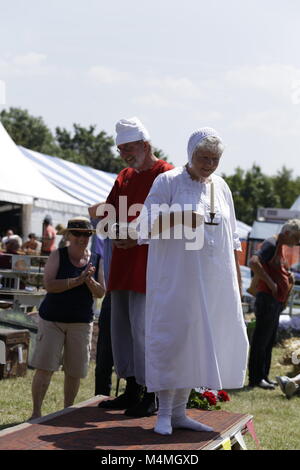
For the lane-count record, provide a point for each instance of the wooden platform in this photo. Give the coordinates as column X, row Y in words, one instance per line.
column 87, row 427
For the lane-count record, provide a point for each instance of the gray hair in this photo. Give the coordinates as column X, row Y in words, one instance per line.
column 212, row 144
column 292, row 225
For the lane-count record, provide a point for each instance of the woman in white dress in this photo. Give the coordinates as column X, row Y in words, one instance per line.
column 195, row 331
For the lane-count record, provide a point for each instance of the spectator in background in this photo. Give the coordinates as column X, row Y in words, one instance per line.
column 60, row 230
column 73, row 276
column 104, row 356
column 9, row 236
column 12, row 248
column 289, row 385
column 32, row 246
column 275, row 281
column 49, row 236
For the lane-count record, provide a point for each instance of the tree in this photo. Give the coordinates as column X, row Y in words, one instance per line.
column 84, row 146
column 89, row 148
column 251, row 190
column 160, row 154
column 29, row 131
column 286, row 187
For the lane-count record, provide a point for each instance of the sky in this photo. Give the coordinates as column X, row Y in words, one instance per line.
column 178, row 66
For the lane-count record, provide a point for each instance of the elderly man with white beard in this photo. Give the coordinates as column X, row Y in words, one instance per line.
column 127, row 279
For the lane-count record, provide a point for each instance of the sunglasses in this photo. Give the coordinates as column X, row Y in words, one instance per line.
column 79, row 233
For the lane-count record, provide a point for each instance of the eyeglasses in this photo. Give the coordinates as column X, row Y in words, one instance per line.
column 127, row 148
column 79, row 233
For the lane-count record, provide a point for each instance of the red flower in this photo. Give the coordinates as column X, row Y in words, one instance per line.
column 211, row 398
column 223, row 396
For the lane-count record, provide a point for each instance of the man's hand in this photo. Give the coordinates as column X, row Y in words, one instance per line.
column 274, row 289
column 125, row 244
column 93, row 210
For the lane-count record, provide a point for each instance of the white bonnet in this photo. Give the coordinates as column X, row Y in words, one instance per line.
column 196, row 138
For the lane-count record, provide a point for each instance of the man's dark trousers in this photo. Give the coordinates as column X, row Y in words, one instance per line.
column 104, row 357
column 267, row 312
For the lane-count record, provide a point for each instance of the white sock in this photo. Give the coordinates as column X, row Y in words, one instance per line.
column 179, row 418
column 163, row 422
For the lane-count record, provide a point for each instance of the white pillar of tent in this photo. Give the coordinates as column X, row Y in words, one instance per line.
column 26, row 219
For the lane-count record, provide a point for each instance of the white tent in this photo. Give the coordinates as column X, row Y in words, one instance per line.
column 296, row 205
column 21, row 183
column 82, row 182
column 243, row 230
column 263, row 230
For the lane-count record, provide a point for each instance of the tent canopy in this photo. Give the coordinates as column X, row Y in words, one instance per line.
column 296, row 205
column 263, row 230
column 243, row 230
column 20, row 180
column 81, row 182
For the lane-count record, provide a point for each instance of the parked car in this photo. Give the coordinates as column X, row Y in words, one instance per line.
column 295, row 268
column 247, row 299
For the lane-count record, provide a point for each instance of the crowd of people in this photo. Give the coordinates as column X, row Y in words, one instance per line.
column 171, row 318
column 12, row 243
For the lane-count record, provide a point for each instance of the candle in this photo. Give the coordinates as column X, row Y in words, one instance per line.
column 212, row 198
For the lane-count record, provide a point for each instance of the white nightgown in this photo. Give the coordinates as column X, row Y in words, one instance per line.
column 195, row 330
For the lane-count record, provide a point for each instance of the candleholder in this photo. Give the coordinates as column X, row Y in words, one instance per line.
column 212, row 216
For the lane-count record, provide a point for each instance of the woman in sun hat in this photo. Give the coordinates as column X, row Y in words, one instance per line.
column 72, row 278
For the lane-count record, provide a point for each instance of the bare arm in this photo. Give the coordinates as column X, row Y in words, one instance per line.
column 259, row 271
column 55, row 286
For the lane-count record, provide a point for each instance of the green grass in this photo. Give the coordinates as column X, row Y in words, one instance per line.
column 276, row 419
column 15, row 396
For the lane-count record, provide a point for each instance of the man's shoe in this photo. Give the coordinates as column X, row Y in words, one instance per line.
column 131, row 397
column 272, row 382
column 282, row 381
column 122, row 402
column 265, row 385
column 146, row 407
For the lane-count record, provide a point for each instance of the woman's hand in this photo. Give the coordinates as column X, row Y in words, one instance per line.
column 87, row 273
column 96, row 288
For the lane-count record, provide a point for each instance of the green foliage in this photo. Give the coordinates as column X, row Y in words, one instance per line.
column 196, row 400
column 29, row 131
column 253, row 189
column 87, row 147
column 82, row 145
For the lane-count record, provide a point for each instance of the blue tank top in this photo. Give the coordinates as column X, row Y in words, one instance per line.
column 74, row 305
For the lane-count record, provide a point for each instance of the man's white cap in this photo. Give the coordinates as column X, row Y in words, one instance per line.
column 130, row 130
